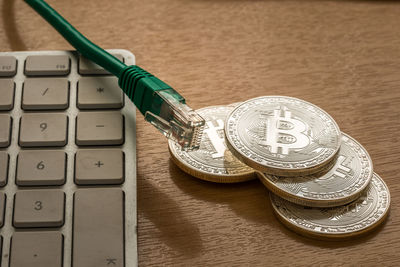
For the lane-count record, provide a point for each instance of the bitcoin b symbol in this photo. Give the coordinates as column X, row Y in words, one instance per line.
column 285, row 132
column 216, row 140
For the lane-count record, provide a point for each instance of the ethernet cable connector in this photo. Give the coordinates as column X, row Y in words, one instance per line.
column 163, row 107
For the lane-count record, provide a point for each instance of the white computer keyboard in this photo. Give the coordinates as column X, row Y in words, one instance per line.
column 67, row 163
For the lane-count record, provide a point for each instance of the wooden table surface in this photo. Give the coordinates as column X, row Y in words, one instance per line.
column 343, row 56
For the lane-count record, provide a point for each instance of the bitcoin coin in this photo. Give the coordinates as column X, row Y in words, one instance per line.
column 283, row 136
column 355, row 218
column 341, row 184
column 212, row 161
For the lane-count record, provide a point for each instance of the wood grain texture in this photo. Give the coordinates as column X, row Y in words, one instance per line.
column 343, row 56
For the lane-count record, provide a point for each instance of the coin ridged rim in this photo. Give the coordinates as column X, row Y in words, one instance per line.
column 324, row 203
column 289, row 197
column 336, row 236
column 283, row 171
column 209, row 176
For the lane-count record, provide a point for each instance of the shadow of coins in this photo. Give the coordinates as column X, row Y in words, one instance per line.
column 248, row 200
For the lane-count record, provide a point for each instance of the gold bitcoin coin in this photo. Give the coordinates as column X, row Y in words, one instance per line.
column 356, row 218
column 212, row 161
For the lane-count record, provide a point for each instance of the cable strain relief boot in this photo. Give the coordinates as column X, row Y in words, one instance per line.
column 163, row 107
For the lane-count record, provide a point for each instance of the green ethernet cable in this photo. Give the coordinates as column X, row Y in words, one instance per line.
column 161, row 105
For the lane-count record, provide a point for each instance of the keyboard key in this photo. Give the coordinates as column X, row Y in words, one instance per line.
column 45, row 94
column 98, row 238
column 36, row 249
column 4, row 160
column 104, row 166
column 100, row 128
column 99, row 92
column 2, row 208
column 7, row 87
column 8, row 66
column 86, row 66
column 41, row 168
column 43, row 129
column 5, row 130
column 39, row 208
column 47, row 65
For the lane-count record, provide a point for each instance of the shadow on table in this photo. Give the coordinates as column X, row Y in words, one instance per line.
column 251, row 201
column 175, row 229
column 10, row 27
column 247, row 199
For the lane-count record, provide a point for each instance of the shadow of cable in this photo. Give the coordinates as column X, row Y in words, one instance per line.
column 10, row 27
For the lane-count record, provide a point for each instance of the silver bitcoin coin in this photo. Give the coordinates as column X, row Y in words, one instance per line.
column 355, row 218
column 282, row 135
column 212, row 161
column 344, row 182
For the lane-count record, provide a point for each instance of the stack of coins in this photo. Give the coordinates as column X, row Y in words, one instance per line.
column 212, row 161
column 321, row 179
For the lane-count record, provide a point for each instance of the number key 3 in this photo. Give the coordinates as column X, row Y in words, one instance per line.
column 39, row 208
